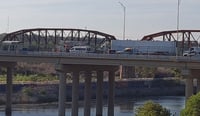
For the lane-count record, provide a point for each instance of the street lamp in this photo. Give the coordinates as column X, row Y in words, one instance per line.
column 124, row 9
column 178, row 15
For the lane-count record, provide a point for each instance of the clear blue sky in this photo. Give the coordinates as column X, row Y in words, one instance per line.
column 142, row 16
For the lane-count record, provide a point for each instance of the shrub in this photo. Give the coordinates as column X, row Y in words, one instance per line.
column 152, row 109
column 192, row 107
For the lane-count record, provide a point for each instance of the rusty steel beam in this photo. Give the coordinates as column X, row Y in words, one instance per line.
column 184, row 38
column 45, row 37
column 152, row 36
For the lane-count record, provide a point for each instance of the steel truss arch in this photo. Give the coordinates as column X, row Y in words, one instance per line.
column 46, row 38
column 184, row 38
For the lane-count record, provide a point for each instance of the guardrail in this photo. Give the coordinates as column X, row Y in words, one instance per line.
column 97, row 55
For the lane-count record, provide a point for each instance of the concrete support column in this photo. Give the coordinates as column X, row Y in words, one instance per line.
column 87, row 93
column 62, row 94
column 188, row 87
column 111, row 93
column 198, row 85
column 8, row 110
column 99, row 93
column 75, row 93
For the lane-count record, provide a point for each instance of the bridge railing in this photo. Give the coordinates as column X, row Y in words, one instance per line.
column 100, row 56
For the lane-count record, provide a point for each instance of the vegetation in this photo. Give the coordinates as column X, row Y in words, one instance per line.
column 176, row 72
column 152, row 109
column 30, row 78
column 192, row 107
column 28, row 72
column 33, row 68
column 159, row 72
column 31, row 72
column 145, row 72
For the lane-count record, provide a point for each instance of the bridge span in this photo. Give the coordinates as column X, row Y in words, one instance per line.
column 68, row 62
column 42, row 41
column 180, row 62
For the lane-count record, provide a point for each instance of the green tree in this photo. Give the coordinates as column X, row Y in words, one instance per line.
column 192, row 107
column 152, row 109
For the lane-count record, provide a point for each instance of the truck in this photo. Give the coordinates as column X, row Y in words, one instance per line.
column 193, row 51
column 144, row 47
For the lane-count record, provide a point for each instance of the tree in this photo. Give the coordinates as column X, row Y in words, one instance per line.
column 192, row 107
column 152, row 109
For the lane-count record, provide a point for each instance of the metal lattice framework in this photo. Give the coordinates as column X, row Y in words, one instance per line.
column 185, row 38
column 46, row 38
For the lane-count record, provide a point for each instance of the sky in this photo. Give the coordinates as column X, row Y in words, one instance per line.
column 143, row 17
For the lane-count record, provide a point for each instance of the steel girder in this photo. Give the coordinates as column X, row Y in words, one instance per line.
column 184, row 38
column 46, row 38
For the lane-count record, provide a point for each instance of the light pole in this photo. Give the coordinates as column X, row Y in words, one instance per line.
column 178, row 15
column 124, row 9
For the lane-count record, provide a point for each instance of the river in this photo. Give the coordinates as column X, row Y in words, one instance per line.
column 123, row 107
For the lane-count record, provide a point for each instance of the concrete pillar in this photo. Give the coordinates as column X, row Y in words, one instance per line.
column 188, row 87
column 62, row 94
column 99, row 93
column 8, row 110
column 187, row 74
column 111, row 93
column 75, row 93
column 198, row 85
column 87, row 93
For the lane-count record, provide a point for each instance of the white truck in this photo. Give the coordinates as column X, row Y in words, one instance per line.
column 144, row 47
column 193, row 51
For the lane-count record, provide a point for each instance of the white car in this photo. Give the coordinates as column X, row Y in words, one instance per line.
column 188, row 53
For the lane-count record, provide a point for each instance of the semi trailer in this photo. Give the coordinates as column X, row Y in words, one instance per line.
column 144, row 47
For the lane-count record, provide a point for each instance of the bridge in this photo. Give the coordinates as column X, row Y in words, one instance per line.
column 66, row 62
column 44, row 39
column 184, row 38
column 74, row 63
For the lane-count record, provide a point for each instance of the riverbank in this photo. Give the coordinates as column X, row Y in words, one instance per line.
column 127, row 88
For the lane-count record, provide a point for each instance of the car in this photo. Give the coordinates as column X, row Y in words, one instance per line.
column 188, row 53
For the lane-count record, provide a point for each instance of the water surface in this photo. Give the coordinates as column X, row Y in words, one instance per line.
column 123, row 107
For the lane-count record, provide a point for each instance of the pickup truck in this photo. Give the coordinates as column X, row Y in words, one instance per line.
column 193, row 51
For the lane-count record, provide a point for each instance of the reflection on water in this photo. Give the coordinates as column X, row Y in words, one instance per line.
column 122, row 107
column 126, row 107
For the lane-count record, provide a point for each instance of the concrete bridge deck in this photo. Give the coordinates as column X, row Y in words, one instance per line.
column 102, row 59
